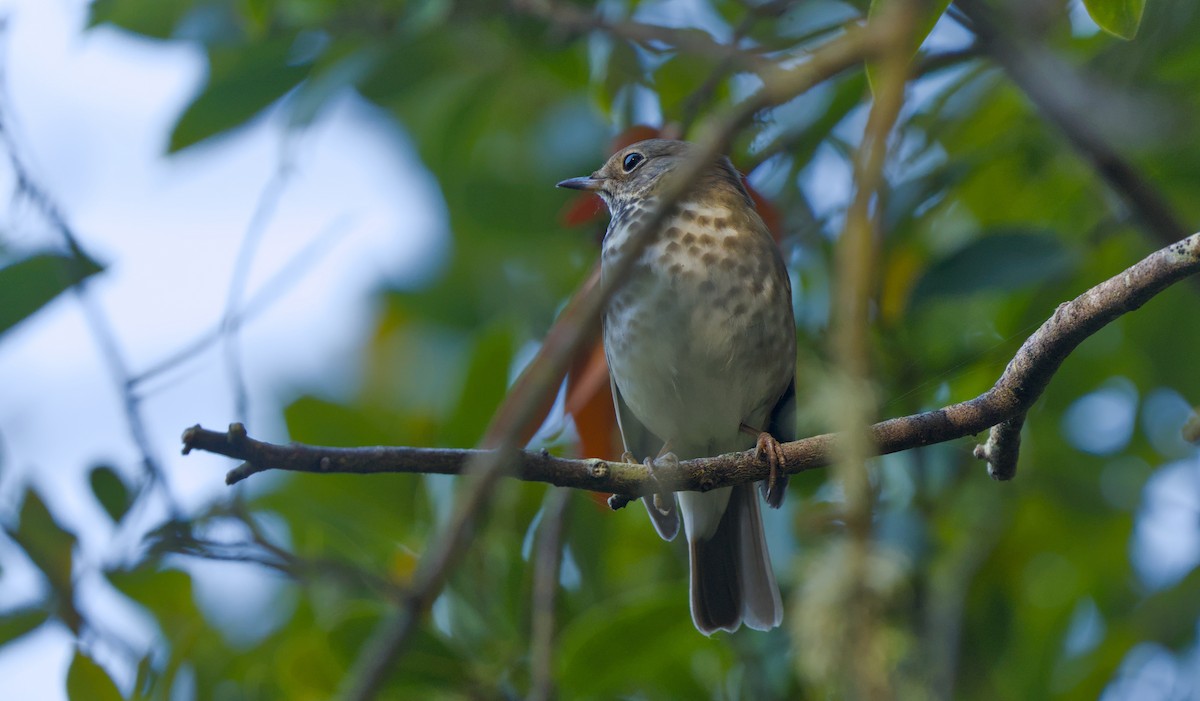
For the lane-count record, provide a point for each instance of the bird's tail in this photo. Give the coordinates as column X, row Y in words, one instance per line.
column 731, row 577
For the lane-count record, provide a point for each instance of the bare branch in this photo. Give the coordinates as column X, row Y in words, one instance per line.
column 862, row 674
column 264, row 210
column 1018, row 388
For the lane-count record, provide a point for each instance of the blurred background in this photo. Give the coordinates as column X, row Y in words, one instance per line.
column 336, row 222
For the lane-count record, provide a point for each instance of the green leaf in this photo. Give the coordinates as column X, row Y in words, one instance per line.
column 320, row 422
column 28, row 285
column 651, row 632
column 483, row 389
column 925, row 24
column 16, row 623
column 623, row 69
column 153, row 18
column 110, row 491
column 1120, row 18
column 242, row 82
column 50, row 547
column 87, row 681
column 1003, row 261
column 679, row 78
column 48, row 544
column 336, row 72
column 165, row 593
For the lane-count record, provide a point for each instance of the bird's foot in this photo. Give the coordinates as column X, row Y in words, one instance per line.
column 775, row 486
column 664, row 502
column 660, row 501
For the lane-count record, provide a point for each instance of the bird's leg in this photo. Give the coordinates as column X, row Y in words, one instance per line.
column 770, row 450
column 663, row 501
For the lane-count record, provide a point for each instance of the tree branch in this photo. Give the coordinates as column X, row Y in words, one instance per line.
column 547, row 563
column 1003, row 407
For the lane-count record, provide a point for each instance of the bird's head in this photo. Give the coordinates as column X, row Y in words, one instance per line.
column 636, row 172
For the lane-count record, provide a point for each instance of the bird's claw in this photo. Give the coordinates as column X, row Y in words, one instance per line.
column 775, row 486
column 662, row 500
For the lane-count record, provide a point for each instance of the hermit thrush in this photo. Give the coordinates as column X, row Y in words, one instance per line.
column 701, row 348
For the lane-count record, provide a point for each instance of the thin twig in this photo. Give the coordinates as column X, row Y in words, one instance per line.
column 284, row 279
column 264, row 210
column 855, row 261
column 547, row 563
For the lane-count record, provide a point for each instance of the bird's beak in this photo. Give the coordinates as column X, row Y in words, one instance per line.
column 590, row 183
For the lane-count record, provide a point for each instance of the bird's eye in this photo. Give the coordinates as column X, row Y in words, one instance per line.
column 631, row 161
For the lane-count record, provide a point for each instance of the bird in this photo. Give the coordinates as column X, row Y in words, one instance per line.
column 701, row 347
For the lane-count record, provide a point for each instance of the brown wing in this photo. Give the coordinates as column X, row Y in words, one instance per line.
column 641, row 443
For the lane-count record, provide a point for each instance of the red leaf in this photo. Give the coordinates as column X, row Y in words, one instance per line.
column 590, row 403
column 581, row 209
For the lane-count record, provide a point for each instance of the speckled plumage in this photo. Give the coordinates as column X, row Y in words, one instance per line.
column 700, row 343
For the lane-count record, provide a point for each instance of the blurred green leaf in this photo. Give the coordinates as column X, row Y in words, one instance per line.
column 166, row 593
column 484, row 387
column 320, row 422
column 623, row 69
column 50, row 547
column 848, row 94
column 1120, row 18
column 109, row 489
column 243, row 80
column 677, row 80
column 334, row 73
column 28, row 285
column 912, row 197
column 154, row 18
column 651, row 633
column 934, row 11
column 1002, row 261
column 87, row 681
column 18, row 622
